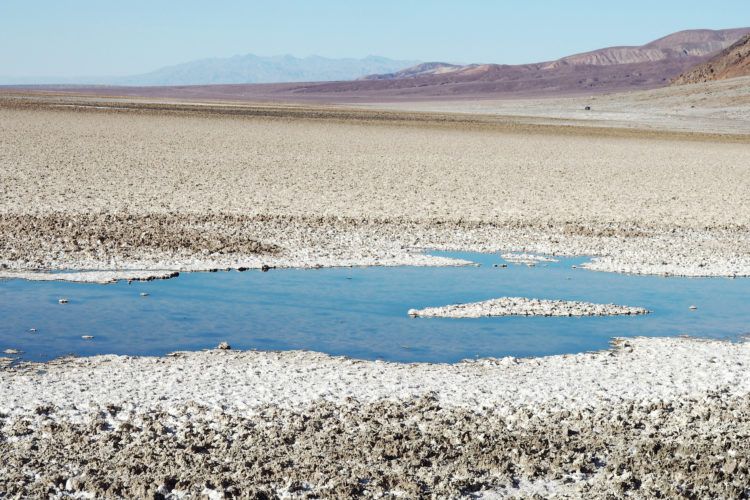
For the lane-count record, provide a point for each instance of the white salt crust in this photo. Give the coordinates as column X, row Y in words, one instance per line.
column 521, row 306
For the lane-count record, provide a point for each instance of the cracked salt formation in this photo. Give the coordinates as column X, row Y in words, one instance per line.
column 647, row 418
column 526, row 258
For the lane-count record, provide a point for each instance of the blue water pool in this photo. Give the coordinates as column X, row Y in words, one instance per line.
column 361, row 312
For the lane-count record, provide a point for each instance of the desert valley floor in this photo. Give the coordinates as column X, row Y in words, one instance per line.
column 125, row 188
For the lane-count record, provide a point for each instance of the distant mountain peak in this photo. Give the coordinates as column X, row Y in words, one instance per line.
column 244, row 68
column 609, row 69
column 250, row 68
column 428, row 68
column 680, row 45
column 649, row 65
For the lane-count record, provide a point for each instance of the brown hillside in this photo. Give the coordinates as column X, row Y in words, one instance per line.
column 730, row 63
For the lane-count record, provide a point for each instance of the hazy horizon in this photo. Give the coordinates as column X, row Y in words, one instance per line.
column 85, row 38
column 388, row 65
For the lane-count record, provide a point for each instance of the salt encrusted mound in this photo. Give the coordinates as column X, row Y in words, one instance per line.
column 526, row 258
column 519, row 306
column 102, row 277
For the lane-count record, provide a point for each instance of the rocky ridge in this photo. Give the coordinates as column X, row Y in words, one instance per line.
column 732, row 62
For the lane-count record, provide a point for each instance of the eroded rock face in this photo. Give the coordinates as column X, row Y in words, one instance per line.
column 732, row 62
column 694, row 448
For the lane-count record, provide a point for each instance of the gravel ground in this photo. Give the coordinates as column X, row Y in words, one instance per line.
column 718, row 107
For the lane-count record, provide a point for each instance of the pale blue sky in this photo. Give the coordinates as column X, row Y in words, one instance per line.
column 87, row 37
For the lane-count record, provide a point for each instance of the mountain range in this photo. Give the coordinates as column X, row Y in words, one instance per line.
column 256, row 69
column 611, row 69
column 247, row 68
column 681, row 46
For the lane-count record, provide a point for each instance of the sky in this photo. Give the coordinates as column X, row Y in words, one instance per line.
column 86, row 37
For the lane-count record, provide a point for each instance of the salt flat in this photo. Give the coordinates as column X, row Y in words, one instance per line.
column 118, row 184
column 183, row 189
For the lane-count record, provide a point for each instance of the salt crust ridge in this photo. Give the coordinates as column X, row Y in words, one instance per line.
column 637, row 368
column 521, row 306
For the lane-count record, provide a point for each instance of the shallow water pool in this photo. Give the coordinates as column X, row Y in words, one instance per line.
column 361, row 312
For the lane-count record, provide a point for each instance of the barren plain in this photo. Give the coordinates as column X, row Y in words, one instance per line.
column 175, row 187
column 716, row 107
column 126, row 186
